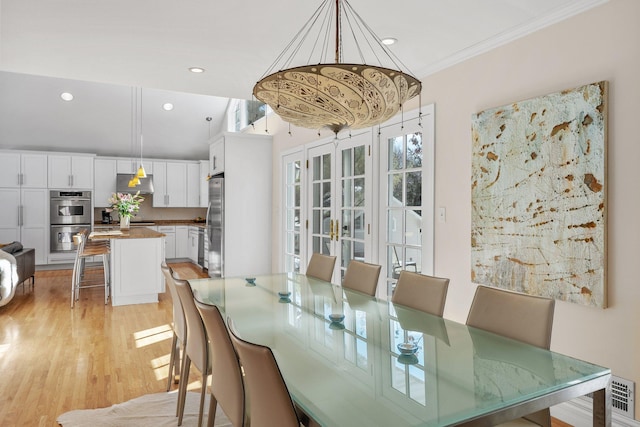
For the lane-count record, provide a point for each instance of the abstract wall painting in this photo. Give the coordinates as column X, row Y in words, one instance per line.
column 538, row 196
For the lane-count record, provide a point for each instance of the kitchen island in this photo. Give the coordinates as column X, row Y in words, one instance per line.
column 136, row 256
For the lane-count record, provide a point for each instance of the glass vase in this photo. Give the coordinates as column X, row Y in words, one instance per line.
column 125, row 221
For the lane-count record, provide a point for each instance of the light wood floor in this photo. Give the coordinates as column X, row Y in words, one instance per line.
column 55, row 359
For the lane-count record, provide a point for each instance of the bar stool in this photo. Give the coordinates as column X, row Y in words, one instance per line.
column 79, row 279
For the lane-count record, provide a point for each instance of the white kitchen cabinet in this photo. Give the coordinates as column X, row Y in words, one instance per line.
column 193, row 185
column 247, row 202
column 22, row 169
column 170, row 184
column 204, row 183
column 105, row 181
column 182, row 241
column 70, row 171
column 169, row 241
column 193, row 244
column 216, row 157
column 24, row 218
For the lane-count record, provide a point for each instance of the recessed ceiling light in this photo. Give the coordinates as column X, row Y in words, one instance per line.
column 388, row 41
column 66, row 96
column 167, row 106
column 196, row 70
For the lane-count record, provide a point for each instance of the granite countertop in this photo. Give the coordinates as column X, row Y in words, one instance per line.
column 132, row 233
column 155, row 222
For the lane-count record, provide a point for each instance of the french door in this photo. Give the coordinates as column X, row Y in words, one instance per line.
column 339, row 202
column 292, row 214
column 407, row 201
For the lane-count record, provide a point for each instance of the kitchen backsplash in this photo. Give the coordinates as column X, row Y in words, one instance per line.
column 148, row 212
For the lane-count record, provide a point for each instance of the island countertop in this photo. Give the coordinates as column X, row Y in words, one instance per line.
column 132, row 233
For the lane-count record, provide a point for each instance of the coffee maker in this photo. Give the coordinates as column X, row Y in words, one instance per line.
column 106, row 217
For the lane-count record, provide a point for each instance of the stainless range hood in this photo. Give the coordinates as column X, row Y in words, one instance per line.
column 122, row 184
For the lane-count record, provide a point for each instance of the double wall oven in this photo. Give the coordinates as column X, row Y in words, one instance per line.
column 69, row 213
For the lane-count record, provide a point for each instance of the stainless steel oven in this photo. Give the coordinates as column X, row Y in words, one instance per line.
column 69, row 207
column 69, row 213
column 62, row 237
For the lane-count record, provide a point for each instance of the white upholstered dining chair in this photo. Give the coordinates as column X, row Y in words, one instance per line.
column 321, row 266
column 179, row 328
column 227, row 388
column 362, row 277
column 520, row 317
column 421, row 292
column 196, row 348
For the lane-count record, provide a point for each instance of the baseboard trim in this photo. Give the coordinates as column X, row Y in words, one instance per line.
column 578, row 412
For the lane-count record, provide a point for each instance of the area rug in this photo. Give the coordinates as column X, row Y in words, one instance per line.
column 157, row 410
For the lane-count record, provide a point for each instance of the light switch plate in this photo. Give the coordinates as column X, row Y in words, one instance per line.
column 442, row 214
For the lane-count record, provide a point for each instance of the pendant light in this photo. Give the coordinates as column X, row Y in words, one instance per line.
column 141, row 172
column 336, row 95
column 134, row 181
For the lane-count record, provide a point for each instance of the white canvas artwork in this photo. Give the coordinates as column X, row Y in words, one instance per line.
column 538, row 196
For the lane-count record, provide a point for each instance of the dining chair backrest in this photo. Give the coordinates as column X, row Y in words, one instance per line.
column 518, row 316
column 422, row 292
column 226, row 387
column 269, row 401
column 362, row 277
column 321, row 266
column 196, row 340
column 179, row 324
column 521, row 317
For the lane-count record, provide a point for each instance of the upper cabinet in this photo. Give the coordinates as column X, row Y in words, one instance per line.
column 105, row 181
column 170, row 184
column 125, row 165
column 70, row 171
column 193, row 187
column 216, row 157
column 23, row 170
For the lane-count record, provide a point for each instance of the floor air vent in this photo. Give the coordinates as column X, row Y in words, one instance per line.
column 622, row 396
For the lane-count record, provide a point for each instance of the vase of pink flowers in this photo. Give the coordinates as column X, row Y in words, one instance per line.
column 127, row 205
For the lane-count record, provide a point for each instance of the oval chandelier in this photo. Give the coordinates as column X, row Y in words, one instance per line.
column 336, row 95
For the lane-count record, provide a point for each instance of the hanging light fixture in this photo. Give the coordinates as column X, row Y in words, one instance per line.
column 135, row 180
column 141, row 172
column 336, row 95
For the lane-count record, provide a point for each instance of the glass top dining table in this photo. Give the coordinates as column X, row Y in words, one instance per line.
column 350, row 359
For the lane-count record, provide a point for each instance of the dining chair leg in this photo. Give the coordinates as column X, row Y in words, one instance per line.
column 182, row 390
column 203, row 395
column 213, row 405
column 172, row 361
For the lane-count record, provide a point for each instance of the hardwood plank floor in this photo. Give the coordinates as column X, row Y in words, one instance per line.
column 54, row 359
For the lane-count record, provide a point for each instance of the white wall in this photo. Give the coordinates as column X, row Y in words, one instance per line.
column 600, row 44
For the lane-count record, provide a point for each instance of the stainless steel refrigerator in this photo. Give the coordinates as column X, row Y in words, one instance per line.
column 215, row 227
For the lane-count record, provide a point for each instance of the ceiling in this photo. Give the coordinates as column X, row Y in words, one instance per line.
column 99, row 50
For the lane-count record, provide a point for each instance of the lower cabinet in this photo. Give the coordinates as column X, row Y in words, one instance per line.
column 169, row 240
column 182, row 241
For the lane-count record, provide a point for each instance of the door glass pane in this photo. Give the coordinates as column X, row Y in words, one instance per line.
column 316, row 222
column 326, row 166
column 346, row 163
column 395, row 227
column 413, row 228
column 395, row 153
column 414, row 150
column 358, row 192
column 359, row 158
column 326, row 194
column 316, row 168
column 396, row 184
column 345, row 225
column 326, row 221
column 317, row 195
column 346, row 192
column 414, row 188
column 346, row 255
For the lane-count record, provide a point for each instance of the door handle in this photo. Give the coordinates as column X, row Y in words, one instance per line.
column 337, row 233
column 331, row 229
